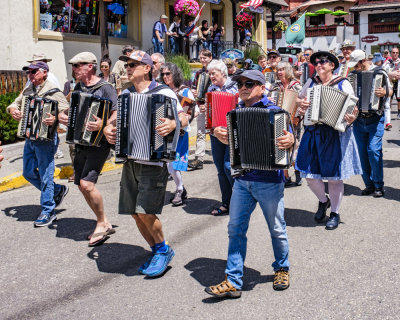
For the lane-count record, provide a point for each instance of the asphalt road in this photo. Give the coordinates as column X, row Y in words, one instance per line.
column 349, row 273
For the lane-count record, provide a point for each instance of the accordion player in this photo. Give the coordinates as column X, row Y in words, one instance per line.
column 188, row 106
column 305, row 73
column 329, row 105
column 84, row 107
column 270, row 77
column 218, row 104
column 203, row 82
column 252, row 136
column 286, row 99
column 364, row 84
column 34, row 110
column 137, row 117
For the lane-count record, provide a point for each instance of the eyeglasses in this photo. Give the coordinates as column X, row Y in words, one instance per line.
column 165, row 74
column 321, row 62
column 247, row 84
column 77, row 65
column 32, row 71
column 132, row 65
column 306, row 54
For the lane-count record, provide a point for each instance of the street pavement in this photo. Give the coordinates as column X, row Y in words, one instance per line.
column 348, row 273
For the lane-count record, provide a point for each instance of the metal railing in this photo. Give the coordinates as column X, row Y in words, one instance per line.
column 12, row 81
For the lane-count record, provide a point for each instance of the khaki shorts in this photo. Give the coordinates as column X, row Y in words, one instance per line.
column 142, row 188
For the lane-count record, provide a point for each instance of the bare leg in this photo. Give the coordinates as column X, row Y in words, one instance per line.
column 150, row 227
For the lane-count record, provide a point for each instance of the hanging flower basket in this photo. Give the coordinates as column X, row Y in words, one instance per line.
column 186, row 7
column 244, row 21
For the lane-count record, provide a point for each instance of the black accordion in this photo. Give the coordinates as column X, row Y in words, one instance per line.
column 34, row 110
column 84, row 107
column 138, row 115
column 252, row 135
column 305, row 73
column 364, row 84
column 203, row 82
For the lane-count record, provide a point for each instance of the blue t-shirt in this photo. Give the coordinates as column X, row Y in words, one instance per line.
column 161, row 29
column 274, row 176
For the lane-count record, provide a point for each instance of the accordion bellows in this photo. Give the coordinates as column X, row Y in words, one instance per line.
column 252, row 135
column 218, row 104
column 364, row 84
column 34, row 110
column 138, row 115
column 84, row 106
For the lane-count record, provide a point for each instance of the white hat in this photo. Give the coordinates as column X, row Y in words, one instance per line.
column 355, row 57
column 39, row 57
column 84, row 57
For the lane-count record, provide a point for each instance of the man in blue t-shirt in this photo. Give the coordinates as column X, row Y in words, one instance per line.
column 159, row 29
column 263, row 186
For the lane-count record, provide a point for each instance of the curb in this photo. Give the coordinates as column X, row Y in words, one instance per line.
column 16, row 180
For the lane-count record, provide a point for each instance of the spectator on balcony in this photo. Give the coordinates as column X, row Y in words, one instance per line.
column 205, row 36
column 159, row 29
column 176, row 34
column 217, row 34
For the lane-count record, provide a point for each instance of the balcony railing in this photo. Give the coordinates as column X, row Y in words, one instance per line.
column 383, row 27
column 321, row 31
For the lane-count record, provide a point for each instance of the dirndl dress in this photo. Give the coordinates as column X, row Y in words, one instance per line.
column 182, row 153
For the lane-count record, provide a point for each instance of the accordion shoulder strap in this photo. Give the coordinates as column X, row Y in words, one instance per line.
column 50, row 92
column 331, row 83
column 154, row 90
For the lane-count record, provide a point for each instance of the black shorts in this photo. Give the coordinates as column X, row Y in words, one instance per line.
column 395, row 86
column 89, row 162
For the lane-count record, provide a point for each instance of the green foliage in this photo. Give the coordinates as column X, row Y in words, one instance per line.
column 8, row 126
column 253, row 53
column 182, row 62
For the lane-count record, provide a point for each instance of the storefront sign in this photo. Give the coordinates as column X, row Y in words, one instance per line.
column 369, row 39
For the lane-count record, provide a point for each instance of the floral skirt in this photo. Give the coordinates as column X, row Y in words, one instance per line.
column 182, row 153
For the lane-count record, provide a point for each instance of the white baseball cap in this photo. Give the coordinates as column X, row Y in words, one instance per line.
column 355, row 57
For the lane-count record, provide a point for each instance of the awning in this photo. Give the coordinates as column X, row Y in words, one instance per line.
column 375, row 6
column 256, row 3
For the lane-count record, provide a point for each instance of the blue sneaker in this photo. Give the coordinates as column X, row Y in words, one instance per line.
column 159, row 263
column 45, row 220
column 145, row 265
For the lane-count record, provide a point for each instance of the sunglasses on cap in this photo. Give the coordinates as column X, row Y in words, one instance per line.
column 33, row 71
column 132, row 64
column 77, row 65
column 321, row 61
column 165, row 74
column 248, row 84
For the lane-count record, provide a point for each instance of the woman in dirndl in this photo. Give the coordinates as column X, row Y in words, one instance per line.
column 172, row 76
column 325, row 153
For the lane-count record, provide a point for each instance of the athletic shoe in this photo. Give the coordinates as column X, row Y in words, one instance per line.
column 281, row 280
column 61, row 195
column 180, row 195
column 59, row 154
column 224, row 290
column 195, row 164
column 145, row 265
column 45, row 220
column 388, row 126
column 159, row 263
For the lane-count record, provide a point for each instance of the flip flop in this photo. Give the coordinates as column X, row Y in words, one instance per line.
column 104, row 236
column 219, row 212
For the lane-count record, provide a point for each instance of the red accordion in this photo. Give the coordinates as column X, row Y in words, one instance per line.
column 218, row 104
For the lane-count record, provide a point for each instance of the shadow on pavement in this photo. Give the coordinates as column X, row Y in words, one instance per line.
column 391, row 163
column 210, row 272
column 200, row 205
column 397, row 142
column 26, row 212
column 119, row 258
column 76, row 229
column 300, row 218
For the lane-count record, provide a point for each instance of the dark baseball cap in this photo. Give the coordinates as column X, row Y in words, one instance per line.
column 255, row 75
column 140, row 56
column 274, row 52
column 37, row 65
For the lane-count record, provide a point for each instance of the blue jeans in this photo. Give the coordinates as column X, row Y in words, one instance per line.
column 38, row 169
column 245, row 196
column 220, row 153
column 207, row 45
column 369, row 133
column 174, row 45
column 158, row 46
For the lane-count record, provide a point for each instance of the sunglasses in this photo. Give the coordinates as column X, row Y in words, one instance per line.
column 77, row 65
column 395, row 52
column 32, row 71
column 165, row 74
column 273, row 57
column 321, row 62
column 155, row 62
column 132, row 65
column 247, row 84
column 306, row 54
column 229, row 66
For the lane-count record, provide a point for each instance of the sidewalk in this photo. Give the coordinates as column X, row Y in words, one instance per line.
column 11, row 169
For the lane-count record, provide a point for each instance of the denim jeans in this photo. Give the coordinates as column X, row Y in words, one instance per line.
column 245, row 196
column 369, row 133
column 174, row 45
column 38, row 169
column 158, row 46
column 220, row 153
column 207, row 45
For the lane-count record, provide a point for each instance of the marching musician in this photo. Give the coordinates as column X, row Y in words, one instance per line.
column 394, row 74
column 89, row 160
column 143, row 183
column 325, row 153
column 347, row 47
column 274, row 57
column 205, row 58
column 38, row 156
column 369, row 129
column 264, row 187
column 221, row 82
column 288, row 81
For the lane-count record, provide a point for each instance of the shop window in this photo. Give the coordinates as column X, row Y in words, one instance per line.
column 317, row 20
column 82, row 16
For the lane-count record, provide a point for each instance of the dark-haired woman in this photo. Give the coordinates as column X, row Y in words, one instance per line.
column 325, row 153
column 111, row 77
column 172, row 76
